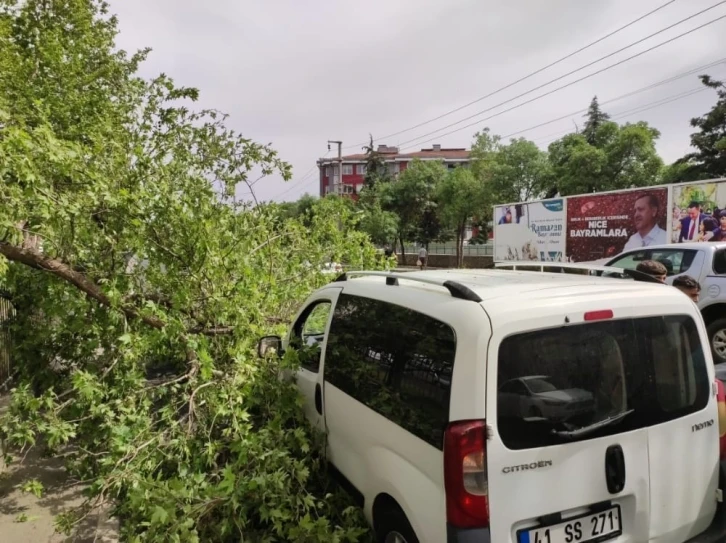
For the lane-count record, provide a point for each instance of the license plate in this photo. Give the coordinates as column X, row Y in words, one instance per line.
column 590, row 528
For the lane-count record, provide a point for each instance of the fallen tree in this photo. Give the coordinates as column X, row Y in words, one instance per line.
column 127, row 254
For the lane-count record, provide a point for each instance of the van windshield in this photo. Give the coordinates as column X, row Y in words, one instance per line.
column 584, row 381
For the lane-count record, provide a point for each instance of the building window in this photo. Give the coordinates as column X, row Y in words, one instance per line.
column 347, row 169
column 327, row 171
column 394, row 360
column 361, row 169
column 347, row 189
column 393, row 168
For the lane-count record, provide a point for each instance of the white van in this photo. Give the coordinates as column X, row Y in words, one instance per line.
column 508, row 406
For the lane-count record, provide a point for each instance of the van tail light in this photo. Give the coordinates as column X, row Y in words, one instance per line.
column 721, row 402
column 465, row 474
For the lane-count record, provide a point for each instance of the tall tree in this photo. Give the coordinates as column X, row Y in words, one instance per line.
column 624, row 157
column 484, row 167
column 299, row 209
column 380, row 225
column 460, row 196
column 520, row 172
column 708, row 161
column 376, row 167
column 411, row 197
column 595, row 118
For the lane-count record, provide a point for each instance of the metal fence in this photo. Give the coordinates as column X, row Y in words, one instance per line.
column 485, row 249
column 6, row 313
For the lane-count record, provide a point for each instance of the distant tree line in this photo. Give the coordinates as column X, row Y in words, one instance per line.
column 429, row 203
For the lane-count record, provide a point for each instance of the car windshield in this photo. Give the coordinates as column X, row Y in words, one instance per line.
column 583, row 381
column 539, row 385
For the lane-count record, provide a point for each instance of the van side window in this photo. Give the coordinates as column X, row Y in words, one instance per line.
column 308, row 334
column 394, row 360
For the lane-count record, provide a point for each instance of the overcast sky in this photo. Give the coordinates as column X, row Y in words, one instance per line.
column 296, row 73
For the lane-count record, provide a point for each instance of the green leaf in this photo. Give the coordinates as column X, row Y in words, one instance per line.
column 159, row 516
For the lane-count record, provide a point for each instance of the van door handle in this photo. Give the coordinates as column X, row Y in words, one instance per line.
column 318, row 399
column 615, row 469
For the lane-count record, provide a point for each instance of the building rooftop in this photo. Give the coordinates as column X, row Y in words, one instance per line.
column 392, row 153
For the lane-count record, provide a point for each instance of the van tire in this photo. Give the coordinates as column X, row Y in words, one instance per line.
column 392, row 522
column 717, row 332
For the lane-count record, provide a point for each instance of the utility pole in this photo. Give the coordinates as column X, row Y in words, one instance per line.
column 340, row 163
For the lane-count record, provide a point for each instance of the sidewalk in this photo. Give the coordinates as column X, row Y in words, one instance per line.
column 27, row 519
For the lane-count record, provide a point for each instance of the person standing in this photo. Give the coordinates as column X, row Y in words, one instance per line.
column 653, row 268
column 422, row 254
column 720, row 232
column 688, row 286
column 645, row 219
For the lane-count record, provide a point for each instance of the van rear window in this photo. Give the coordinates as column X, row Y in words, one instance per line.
column 590, row 380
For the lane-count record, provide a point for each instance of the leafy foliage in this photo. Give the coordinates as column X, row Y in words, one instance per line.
column 709, row 159
column 141, row 286
column 412, row 199
column 516, row 172
column 461, row 196
column 299, row 209
column 623, row 156
column 376, row 168
column 594, row 120
column 379, row 224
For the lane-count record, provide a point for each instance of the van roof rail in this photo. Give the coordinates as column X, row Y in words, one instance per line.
column 624, row 273
column 456, row 289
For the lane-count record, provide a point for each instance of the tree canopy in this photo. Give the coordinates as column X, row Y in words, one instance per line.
column 412, row 198
column 594, row 119
column 708, row 161
column 623, row 156
column 141, row 286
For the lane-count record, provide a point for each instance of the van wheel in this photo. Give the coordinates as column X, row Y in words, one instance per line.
column 392, row 526
column 717, row 334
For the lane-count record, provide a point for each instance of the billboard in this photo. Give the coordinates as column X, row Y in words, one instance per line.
column 603, row 225
column 530, row 231
column 696, row 212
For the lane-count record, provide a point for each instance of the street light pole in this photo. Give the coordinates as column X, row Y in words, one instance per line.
column 340, row 162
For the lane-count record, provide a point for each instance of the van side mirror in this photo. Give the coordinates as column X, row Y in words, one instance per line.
column 269, row 345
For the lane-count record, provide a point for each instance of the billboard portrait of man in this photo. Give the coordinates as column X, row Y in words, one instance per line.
column 645, row 220
column 603, row 225
column 691, row 223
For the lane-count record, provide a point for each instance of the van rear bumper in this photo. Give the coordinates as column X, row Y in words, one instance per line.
column 473, row 535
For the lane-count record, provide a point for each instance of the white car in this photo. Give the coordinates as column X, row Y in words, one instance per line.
column 706, row 263
column 437, row 459
column 539, row 396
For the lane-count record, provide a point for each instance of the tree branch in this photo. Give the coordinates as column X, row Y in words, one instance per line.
column 33, row 258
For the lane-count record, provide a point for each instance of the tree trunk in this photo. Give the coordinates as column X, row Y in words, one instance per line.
column 458, row 246
column 403, row 250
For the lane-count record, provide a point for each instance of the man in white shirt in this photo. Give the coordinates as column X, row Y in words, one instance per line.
column 645, row 218
column 422, row 254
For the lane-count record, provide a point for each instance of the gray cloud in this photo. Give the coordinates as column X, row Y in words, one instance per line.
column 296, row 74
